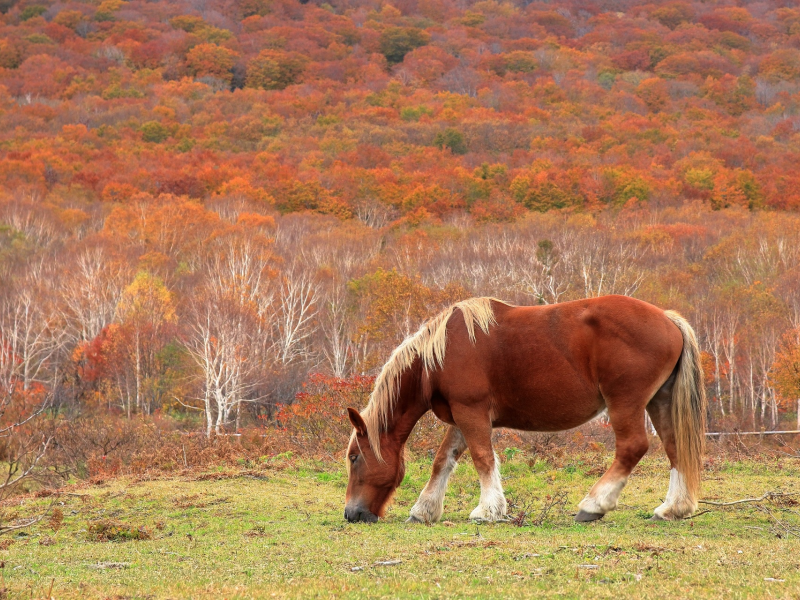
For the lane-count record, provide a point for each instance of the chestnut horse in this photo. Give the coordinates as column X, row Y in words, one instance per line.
column 483, row 363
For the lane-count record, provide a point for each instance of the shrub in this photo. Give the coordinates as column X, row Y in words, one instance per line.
column 10, row 55
column 274, row 70
column 317, row 419
column 29, row 12
column 210, row 60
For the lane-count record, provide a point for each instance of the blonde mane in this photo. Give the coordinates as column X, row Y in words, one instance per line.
column 429, row 344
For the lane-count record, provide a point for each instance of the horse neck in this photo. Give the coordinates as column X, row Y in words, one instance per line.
column 411, row 405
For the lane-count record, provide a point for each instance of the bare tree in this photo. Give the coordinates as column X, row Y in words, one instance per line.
column 610, row 267
column 336, row 324
column 712, row 326
column 219, row 347
column 730, row 325
column 31, row 332
column 296, row 311
column 31, row 339
column 90, row 292
column 230, row 321
column 549, row 277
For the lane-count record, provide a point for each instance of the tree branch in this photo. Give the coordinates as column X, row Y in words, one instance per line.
column 768, row 495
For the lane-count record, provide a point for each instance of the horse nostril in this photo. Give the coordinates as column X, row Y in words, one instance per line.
column 358, row 514
column 352, row 515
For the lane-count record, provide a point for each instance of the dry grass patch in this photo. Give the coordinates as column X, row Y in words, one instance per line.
column 111, row 530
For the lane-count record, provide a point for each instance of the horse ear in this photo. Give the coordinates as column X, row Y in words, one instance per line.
column 357, row 421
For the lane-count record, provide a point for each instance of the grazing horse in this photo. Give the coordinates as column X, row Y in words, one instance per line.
column 483, row 363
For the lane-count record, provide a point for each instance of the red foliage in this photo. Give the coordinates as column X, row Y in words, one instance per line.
column 317, row 419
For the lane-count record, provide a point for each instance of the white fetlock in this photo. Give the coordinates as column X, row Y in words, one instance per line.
column 492, row 506
column 428, row 509
column 489, row 513
column 602, row 498
column 678, row 503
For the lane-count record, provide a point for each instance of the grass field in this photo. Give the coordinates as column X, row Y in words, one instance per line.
column 277, row 531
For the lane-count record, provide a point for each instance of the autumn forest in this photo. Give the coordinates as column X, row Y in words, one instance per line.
column 221, row 216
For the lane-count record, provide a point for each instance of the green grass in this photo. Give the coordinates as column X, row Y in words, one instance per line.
column 279, row 532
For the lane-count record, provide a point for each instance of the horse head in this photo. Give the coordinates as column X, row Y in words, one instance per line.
column 372, row 479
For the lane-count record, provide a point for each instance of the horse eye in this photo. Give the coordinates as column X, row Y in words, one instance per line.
column 353, row 458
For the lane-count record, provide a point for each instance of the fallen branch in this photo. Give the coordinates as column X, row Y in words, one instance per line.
column 23, row 523
column 27, row 523
column 787, row 529
column 738, row 433
column 767, row 496
column 555, row 500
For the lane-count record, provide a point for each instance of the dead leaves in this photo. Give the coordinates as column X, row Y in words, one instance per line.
column 56, row 519
column 257, row 532
column 110, row 565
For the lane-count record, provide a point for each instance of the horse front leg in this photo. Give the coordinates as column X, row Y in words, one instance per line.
column 430, row 505
column 477, row 430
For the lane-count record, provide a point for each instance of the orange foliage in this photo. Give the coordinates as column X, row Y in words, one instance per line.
column 786, row 371
column 370, row 164
column 287, row 103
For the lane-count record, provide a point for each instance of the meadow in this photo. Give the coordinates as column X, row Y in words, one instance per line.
column 274, row 528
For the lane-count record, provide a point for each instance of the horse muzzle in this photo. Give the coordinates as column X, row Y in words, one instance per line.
column 356, row 514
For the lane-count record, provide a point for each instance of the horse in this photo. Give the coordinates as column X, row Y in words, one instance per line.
column 482, row 364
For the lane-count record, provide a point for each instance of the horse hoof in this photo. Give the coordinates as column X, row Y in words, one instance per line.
column 413, row 519
column 585, row 517
column 656, row 517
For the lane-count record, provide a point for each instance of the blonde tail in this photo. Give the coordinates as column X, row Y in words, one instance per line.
column 689, row 410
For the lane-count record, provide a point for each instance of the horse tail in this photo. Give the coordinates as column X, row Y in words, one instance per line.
column 689, row 409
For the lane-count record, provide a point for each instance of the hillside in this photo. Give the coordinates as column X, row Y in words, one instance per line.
column 222, row 216
column 414, row 110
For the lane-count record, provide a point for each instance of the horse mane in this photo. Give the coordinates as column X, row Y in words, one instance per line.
column 428, row 344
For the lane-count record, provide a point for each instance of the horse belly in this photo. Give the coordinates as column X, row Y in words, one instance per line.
column 547, row 408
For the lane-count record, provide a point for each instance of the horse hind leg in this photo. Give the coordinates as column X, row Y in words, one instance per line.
column 430, row 505
column 627, row 422
column 678, row 504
